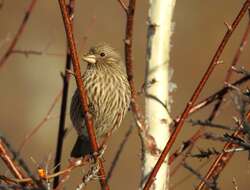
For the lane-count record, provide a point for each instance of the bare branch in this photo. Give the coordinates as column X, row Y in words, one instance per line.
column 82, row 91
column 18, row 34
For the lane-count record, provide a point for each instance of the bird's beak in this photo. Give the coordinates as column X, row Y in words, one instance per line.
column 89, row 58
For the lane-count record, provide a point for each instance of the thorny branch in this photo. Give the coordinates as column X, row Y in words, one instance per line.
column 211, row 125
column 18, row 34
column 180, row 122
column 82, row 91
column 15, row 156
column 223, row 158
column 14, row 169
column 197, row 107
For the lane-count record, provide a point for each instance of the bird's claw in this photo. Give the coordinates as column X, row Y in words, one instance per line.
column 100, row 153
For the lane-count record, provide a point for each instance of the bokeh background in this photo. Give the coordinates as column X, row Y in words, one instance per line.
column 30, row 83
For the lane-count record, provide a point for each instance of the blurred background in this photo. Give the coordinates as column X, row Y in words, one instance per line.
column 29, row 84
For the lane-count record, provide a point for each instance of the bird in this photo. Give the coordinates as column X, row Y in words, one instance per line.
column 108, row 96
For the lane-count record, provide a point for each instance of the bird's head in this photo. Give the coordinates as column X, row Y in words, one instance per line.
column 102, row 54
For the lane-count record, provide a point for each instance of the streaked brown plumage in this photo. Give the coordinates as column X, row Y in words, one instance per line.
column 108, row 92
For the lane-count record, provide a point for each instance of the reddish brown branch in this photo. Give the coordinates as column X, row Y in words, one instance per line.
column 219, row 95
column 179, row 124
column 66, row 78
column 139, row 117
column 216, row 96
column 129, row 63
column 222, row 159
column 18, row 34
column 4, row 154
column 82, row 91
column 239, row 50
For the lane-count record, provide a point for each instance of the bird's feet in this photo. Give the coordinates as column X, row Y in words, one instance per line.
column 100, row 153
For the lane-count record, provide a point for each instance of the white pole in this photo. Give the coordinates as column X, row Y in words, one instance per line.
column 157, row 117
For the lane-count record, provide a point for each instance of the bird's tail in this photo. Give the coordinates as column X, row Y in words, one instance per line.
column 81, row 148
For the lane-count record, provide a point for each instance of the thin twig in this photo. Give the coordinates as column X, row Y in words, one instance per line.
column 212, row 185
column 223, row 158
column 184, row 146
column 235, row 184
column 129, row 64
column 191, row 102
column 198, row 106
column 82, row 91
column 66, row 78
column 18, row 34
column 35, row 52
column 123, row 5
column 72, row 165
column 41, row 123
column 4, row 154
column 15, row 156
column 118, row 153
column 208, row 123
column 178, row 166
column 207, row 101
column 202, row 165
column 139, row 117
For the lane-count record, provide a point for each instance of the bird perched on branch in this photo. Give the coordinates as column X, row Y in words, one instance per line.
column 109, row 94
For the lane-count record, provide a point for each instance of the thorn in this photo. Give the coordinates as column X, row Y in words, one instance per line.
column 65, row 132
column 127, row 41
column 229, row 27
column 62, row 75
column 227, row 84
column 234, row 68
column 68, row 71
column 71, row 17
column 219, row 62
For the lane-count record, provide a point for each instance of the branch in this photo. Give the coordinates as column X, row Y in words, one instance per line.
column 82, row 91
column 216, row 96
column 212, row 185
column 118, row 153
column 14, row 169
column 129, row 64
column 223, row 158
column 123, row 5
column 72, row 165
column 191, row 102
column 184, row 146
column 15, row 156
column 66, row 77
column 41, row 123
column 18, row 34
column 198, row 106
column 210, row 124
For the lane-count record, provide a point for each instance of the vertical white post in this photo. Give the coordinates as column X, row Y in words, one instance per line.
column 157, row 117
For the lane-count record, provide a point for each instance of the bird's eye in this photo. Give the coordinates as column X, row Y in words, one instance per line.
column 102, row 54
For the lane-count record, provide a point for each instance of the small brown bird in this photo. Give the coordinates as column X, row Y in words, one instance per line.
column 109, row 96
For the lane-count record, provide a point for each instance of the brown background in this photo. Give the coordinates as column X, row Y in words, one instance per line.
column 29, row 84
